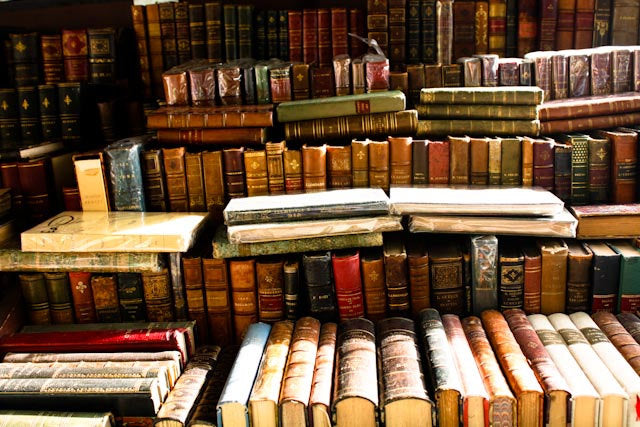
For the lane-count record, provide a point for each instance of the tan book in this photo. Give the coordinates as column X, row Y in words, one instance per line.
column 379, row 164
column 314, row 168
column 255, row 166
column 554, row 275
column 195, row 185
column 400, row 160
column 585, row 401
column 263, row 401
column 360, row 163
column 213, row 178
column 320, row 397
column 339, row 166
column 527, row 161
column 92, row 184
column 459, row 160
column 275, row 166
column 614, row 400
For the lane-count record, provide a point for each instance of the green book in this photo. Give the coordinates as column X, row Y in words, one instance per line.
column 223, row 249
column 511, row 170
column 479, row 127
column 338, row 106
column 579, row 167
column 471, row 111
column 512, row 95
column 628, row 290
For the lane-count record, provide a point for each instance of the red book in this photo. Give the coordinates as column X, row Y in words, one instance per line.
column 339, row 37
column 71, row 198
column 548, row 21
column 76, row 55
column 624, row 149
column 34, row 183
column 356, row 26
column 439, row 162
column 527, row 26
column 543, row 168
column 324, row 37
column 295, row 36
column 583, row 34
column 309, row 36
column 82, row 296
column 10, row 178
column 532, row 279
column 96, row 341
column 348, row 283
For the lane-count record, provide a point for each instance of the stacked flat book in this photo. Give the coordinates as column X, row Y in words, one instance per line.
column 507, row 211
column 310, row 215
column 479, row 111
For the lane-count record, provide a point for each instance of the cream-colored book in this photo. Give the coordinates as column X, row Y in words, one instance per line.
column 92, row 185
column 585, row 400
column 610, row 356
column 614, row 400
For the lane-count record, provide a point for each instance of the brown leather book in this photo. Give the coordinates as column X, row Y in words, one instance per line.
column 242, row 273
column 228, row 136
column 578, row 277
column 521, row 378
column 556, row 389
column 355, row 396
column 154, row 183
column 527, row 161
column 71, row 199
column 255, row 166
column 322, row 82
column 447, row 291
column 624, row 23
column 216, row 290
column 502, row 404
column 234, row 172
column 459, row 160
column 195, row 184
column 400, row 160
column 419, row 288
column 588, row 123
column 624, row 150
column 75, row 51
column 294, row 22
column 420, row 160
column 314, row 167
column 235, row 116
column 270, row 277
column 300, row 84
column 213, row 178
column 360, row 163
column 35, row 189
column 157, row 296
column 379, row 164
column 339, row 166
column 156, row 62
column 565, row 26
column 52, row 65
column 532, row 278
column 309, row 36
column 175, row 174
column 339, row 37
column 323, row 36
column 620, row 337
column 298, row 374
column 433, row 75
column 105, row 298
column 275, row 166
column 293, row 171
column 320, row 396
column 554, row 275
column 438, row 162
column 479, row 155
column 396, row 276
column 194, row 291
column 142, row 43
column 464, row 16
column 373, row 283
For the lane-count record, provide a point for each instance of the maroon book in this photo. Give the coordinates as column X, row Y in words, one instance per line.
column 509, row 72
column 548, row 21
column 377, row 74
column 75, row 50
column 348, row 283
column 339, row 37
column 356, row 26
column 464, row 16
column 601, row 72
column 295, row 36
column 82, row 296
column 324, row 37
column 322, row 84
column 309, row 36
column 543, row 169
column 527, row 26
column 439, row 162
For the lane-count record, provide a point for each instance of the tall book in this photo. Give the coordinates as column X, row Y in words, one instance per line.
column 105, row 298
column 565, row 27
column 628, row 298
column 131, row 296
column 360, row 163
column 348, row 284
column 216, row 289
column 320, row 396
column 396, row 277
column 624, row 22
column 511, row 155
column 195, row 184
column 214, row 29
column 256, row 174
column 34, row 292
column 292, row 171
column 339, row 166
column 318, row 277
column 447, row 290
column 242, row 275
column 484, row 262
column 511, row 290
column 602, row 23
column 400, row 152
column 532, row 277
column 314, row 167
column 605, row 277
column 623, row 165
column 373, row 282
column 419, row 283
column 578, row 277
column 291, row 271
column 157, row 296
column 176, row 179
column 584, row 24
column 379, row 164
column 599, row 169
column 270, row 278
column 554, row 275
column 59, row 296
column 458, row 160
column 153, row 178
column 193, row 281
column 309, row 36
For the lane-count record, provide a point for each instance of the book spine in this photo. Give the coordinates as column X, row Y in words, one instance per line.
column 459, row 161
column 291, row 274
column 562, row 172
column 578, row 282
column 444, row 31
column 82, row 297
column 339, row 167
column 255, row 166
column 298, row 373
column 554, row 273
column 619, row 337
column 49, row 115
column 213, row 178
column 154, row 184
column 400, row 160
column 497, row 27
column 260, row 29
column 464, row 14
column 194, row 290
column 419, row 285
column 527, row 161
column 532, row 282
column 428, row 39
column 234, row 172
column 176, row 179
column 501, row 96
column 213, row 30
column 283, row 35
column 310, row 36
column 565, row 26
column 35, row 188
column 34, row 292
column 511, row 281
column 127, row 186
column 105, row 298
column 70, row 106
column 9, row 118
column 131, row 296
column 621, row 73
column 447, row 290
column 374, row 286
column 102, row 55
column 30, row 129
column 270, row 278
column 605, row 274
column 157, row 296
column 243, row 295
column 293, row 171
column 156, row 62
column 25, row 55
column 379, row 164
column 348, row 285
column 439, row 162
column 624, row 23
column 228, row 136
column 231, row 33
column 599, row 161
column 484, row 259
column 548, row 23
column 397, row 14
column 321, row 293
column 314, row 167
column 323, row 34
column 543, row 164
column 478, row 127
column 444, row 111
column 623, row 166
column 177, row 285
column 579, row 171
column 275, row 166
column 52, row 62
column 59, row 297
column 75, row 51
column 356, row 26
column 295, row 36
column 339, row 39
column 197, row 31
column 245, row 31
column 481, row 27
column 584, row 24
column 216, row 289
column 168, row 35
column 272, row 34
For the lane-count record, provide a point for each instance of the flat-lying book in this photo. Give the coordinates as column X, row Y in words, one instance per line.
column 607, row 221
column 560, row 225
column 114, row 232
column 464, row 200
column 273, row 232
column 52, row 418
column 517, row 95
column 478, row 127
column 227, row 116
column 319, row 205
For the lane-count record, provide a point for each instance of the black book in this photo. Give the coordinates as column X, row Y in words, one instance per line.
column 605, row 275
column 318, row 277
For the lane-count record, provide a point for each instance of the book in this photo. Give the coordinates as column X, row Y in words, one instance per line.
column 256, row 175
column 270, row 286
column 396, row 275
column 419, row 279
column 373, row 280
column 605, row 277
column 291, row 271
column 619, row 337
column 511, row 289
column 157, row 296
column 339, row 166
column 471, row 111
column 495, row 161
column 554, row 272
column 578, row 277
column 624, row 16
column 123, row 160
column 589, row 106
column 34, row 292
column 482, row 95
column 236, row 116
column 320, row 396
column 627, row 299
column 438, row 162
column 511, row 168
column 216, row 289
column 314, row 168
column 420, row 157
column 479, row 127
column 458, row 160
column 348, row 284
column 318, row 277
column 242, row 276
column 379, row 176
column 400, row 161
column 105, row 298
column 92, row 183
column 208, row 136
column 587, row 123
column 602, row 222
column 71, row 419
column 484, row 259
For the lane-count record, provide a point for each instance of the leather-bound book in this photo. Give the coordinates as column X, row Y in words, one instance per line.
column 565, row 26
column 623, row 165
column 314, row 167
column 404, row 398
column 231, row 31
column 605, row 276
column 420, row 160
column 131, row 297
column 631, row 323
column 433, row 75
column 471, row 71
column 512, row 27
column 70, row 106
column 562, row 171
column 373, row 280
column 447, row 289
column 348, row 284
column 213, row 29
column 260, row 34
column 216, row 289
column 511, row 168
column 49, row 115
column 479, row 161
column 197, row 31
column 272, row 47
column 508, row 72
column 229, row 84
column 228, row 136
column 379, row 164
column 320, row 396
column 75, row 51
column 360, row 163
column 559, row 76
column 33, row 175
column 52, row 65
column 213, row 178
column 82, row 297
column 291, row 272
column 295, row 35
column 452, row 75
column 25, row 55
column 323, row 37
column 309, row 36
column 255, row 166
column 194, row 290
column 438, row 162
column 298, row 372
column 105, row 298
column 322, row 82
column 578, row 277
column 459, row 160
column 579, row 168
column 168, row 35
column 397, row 30
column 156, row 61
column 497, row 27
column 463, row 29
column 413, row 32
column 602, row 23
column 624, row 22
column 621, row 339
column 416, row 76
column 234, row 172
column 396, row 276
column 71, row 198
column 283, row 35
column 102, row 55
column 270, row 278
column 628, row 298
column 444, row 31
column 418, row 263
column 399, row 80
column 123, row 160
column 339, row 166
column 554, row 275
column 92, row 183
column 59, row 297
column 292, row 171
column 526, row 72
column 527, row 161
column 521, row 378
column 599, row 173
column 356, row 26
column 30, row 129
column 242, row 273
column 484, row 267
column 301, row 87
column 34, row 292
column 280, row 83
column 275, row 166
column 157, row 296
column 355, row 397
column 495, row 161
column 257, row 83
column 481, row 24
column 429, row 51
column 321, row 292
column 176, row 179
column 265, row 394
column 154, row 184
column 400, row 160
column 9, row 118
column 584, row 24
column 621, row 72
column 548, row 13
column 601, row 71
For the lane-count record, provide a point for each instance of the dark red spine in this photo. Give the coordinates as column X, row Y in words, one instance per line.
column 348, row 283
column 324, row 37
column 543, row 170
column 295, row 36
column 309, row 36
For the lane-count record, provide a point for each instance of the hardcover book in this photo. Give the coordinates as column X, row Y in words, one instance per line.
column 484, row 259
column 620, row 338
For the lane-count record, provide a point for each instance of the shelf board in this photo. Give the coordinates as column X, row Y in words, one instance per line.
column 42, row 4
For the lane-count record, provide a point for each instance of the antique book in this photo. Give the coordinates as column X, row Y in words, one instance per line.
column 232, row 407
column 471, row 111
column 216, row 290
column 265, row 394
column 156, row 60
column 527, row 161
column 396, row 276
column 123, row 159
column 29, row 117
column 157, row 296
column 34, row 183
column 339, row 37
column 511, row 288
column 585, row 401
column 562, row 171
column 400, row 160
column 419, row 283
column 579, row 167
column 153, row 180
column 458, row 160
column 212, row 173
column 34, row 292
column 294, row 29
column 71, row 419
column 318, row 278
column 131, row 296
column 314, row 168
column 484, row 259
column 231, row 116
column 49, row 114
column 256, row 176
column 578, row 277
column 447, row 289
column 554, row 272
column 520, row 376
column 443, row 373
column 232, row 159
column 404, row 398
column 339, row 166
column 270, row 286
column 565, row 26
column 482, row 95
column 291, row 272
column 322, row 82
column 298, row 372
column 605, row 277
column 105, row 357
column 91, row 182
column 464, row 14
column 620, row 338
column 373, row 281
column 59, row 297
column 598, row 171
column 624, row 19
column 75, row 51
column 208, row 136
column 478, row 127
column 176, row 179
column 627, row 298
column 601, row 222
column 320, row 396
column 420, row 161
column 360, row 163
column 82, row 297
column 601, row 23
column 433, row 75
column 444, row 31
column 275, row 166
column 348, row 284
column 623, row 163
column 379, row 164
column 355, row 397
column 242, row 278
column 309, row 36
column 511, row 169
column 105, row 297
column 630, row 322
column 621, row 70
column 479, row 154
column 193, row 283
column 292, row 171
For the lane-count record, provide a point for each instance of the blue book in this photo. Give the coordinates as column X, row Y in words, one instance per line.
column 125, row 173
column 232, row 407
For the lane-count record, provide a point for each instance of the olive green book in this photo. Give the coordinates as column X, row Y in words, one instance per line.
column 483, row 111
column 511, row 169
column 512, row 95
column 479, row 127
